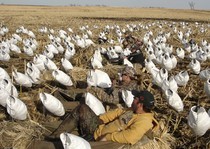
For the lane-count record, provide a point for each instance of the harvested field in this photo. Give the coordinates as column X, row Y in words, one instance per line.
column 18, row 134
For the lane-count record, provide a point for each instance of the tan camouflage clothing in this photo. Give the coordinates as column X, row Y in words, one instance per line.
column 115, row 96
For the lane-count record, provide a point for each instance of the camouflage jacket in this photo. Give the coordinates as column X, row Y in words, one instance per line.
column 114, row 97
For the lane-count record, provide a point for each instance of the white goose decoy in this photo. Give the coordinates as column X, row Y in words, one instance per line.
column 97, row 55
column 160, row 76
column 3, row 96
column 118, row 49
column 172, row 84
column 34, row 67
column 174, row 61
column 204, row 74
column 94, row 103
column 28, row 50
column 39, row 61
column 52, row 48
column 52, row 104
column 199, row 120
column 16, row 36
column 34, row 76
column 111, row 53
column 59, row 47
column 4, row 74
column 98, row 78
column 127, row 62
column 151, row 55
column 48, row 54
column 174, row 100
column 180, row 53
column 50, row 65
column 195, row 66
column 207, row 87
column 91, row 78
column 62, row 77
column 96, row 63
column 73, row 141
column 15, row 48
column 182, row 78
column 4, row 56
column 127, row 97
column 21, row 79
column 66, row 64
column 69, row 53
column 16, row 108
column 9, row 87
column 167, row 62
column 31, row 34
column 151, row 68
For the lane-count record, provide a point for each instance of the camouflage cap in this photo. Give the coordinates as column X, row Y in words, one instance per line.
column 130, row 71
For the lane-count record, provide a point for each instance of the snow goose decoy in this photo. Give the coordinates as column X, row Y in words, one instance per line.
column 199, row 120
column 204, row 74
column 62, row 77
column 94, row 103
column 21, row 79
column 195, row 66
column 73, row 141
column 66, row 64
column 16, row 108
column 52, row 104
column 3, row 96
column 174, row 100
column 98, row 78
column 207, row 87
column 9, row 87
column 182, row 78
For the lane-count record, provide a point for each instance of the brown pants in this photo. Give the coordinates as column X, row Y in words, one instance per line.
column 83, row 117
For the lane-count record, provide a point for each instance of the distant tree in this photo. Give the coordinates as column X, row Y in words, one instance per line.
column 192, row 5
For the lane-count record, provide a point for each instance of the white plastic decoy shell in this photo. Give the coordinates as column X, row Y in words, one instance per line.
column 16, row 108
column 127, row 62
column 71, row 141
column 66, row 64
column 174, row 100
column 161, row 75
column 22, row 79
column 127, row 97
column 3, row 96
column 98, row 78
column 199, row 120
column 62, row 77
column 4, row 74
column 50, row 65
column 195, row 66
column 207, row 87
column 52, row 104
column 182, row 78
column 204, row 74
column 94, row 103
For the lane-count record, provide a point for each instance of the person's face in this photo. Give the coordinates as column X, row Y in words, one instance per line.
column 135, row 104
column 125, row 77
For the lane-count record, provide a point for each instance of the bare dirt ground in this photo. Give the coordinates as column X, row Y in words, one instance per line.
column 35, row 17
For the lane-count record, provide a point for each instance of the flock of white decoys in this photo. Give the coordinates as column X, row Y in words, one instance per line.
column 161, row 59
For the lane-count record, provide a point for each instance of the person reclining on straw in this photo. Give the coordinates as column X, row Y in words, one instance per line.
column 113, row 95
column 126, row 126
column 110, row 95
